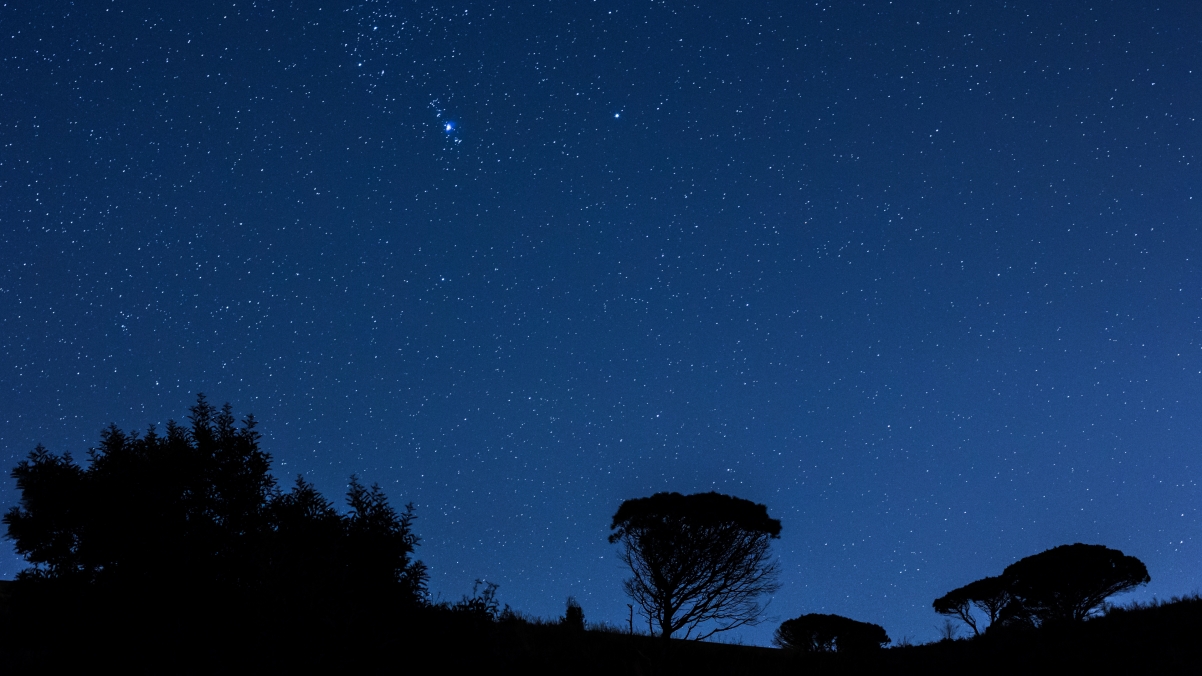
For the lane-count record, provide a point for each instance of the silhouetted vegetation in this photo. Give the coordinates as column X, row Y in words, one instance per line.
column 990, row 595
column 695, row 559
column 1069, row 583
column 573, row 617
column 198, row 504
column 818, row 633
column 1064, row 584
column 185, row 534
column 1159, row 638
column 482, row 605
column 178, row 553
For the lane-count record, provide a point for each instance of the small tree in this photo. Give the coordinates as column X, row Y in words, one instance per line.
column 1071, row 582
column 573, row 617
column 819, row 633
column 990, row 595
column 696, row 558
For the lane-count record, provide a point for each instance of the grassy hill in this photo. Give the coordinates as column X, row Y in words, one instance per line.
column 59, row 635
column 1163, row 637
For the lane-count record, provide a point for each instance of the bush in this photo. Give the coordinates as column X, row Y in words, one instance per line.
column 819, row 633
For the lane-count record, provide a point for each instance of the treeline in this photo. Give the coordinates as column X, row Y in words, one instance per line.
column 178, row 548
column 178, row 552
column 195, row 512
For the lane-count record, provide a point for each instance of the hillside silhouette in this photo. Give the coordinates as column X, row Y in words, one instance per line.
column 179, row 553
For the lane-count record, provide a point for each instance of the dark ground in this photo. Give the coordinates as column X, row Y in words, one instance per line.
column 59, row 633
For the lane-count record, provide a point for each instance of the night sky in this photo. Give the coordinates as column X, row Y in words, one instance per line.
column 922, row 277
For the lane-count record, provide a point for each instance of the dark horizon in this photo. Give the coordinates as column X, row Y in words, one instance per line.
column 921, row 279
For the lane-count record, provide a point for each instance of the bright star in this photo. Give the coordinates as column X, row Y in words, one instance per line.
column 449, row 127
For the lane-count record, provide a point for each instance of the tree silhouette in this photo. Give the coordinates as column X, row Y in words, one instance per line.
column 819, row 633
column 573, row 617
column 306, row 548
column 187, row 504
column 1063, row 584
column 696, row 558
column 1070, row 582
column 44, row 526
column 380, row 542
column 197, row 511
column 991, row 595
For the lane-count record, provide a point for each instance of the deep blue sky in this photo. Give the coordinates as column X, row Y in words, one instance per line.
column 923, row 277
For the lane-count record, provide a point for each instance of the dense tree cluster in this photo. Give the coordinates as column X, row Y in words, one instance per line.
column 195, row 513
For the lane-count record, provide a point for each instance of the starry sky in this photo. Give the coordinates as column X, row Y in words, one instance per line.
column 922, row 277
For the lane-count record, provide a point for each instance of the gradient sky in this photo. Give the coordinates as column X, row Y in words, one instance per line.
column 923, row 277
